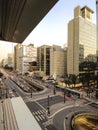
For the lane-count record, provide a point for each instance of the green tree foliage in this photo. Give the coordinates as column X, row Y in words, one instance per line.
column 1, row 74
column 87, row 72
column 8, row 67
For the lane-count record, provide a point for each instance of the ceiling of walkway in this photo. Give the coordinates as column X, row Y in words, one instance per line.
column 19, row 17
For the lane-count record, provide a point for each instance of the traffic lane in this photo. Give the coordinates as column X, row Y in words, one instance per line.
column 58, row 119
column 51, row 127
column 33, row 106
column 12, row 85
column 52, row 100
column 57, row 99
column 38, row 113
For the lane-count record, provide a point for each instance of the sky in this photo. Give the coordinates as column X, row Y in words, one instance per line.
column 53, row 27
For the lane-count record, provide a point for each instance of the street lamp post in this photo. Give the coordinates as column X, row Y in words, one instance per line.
column 48, row 105
column 64, row 95
column 54, row 90
column 6, row 92
column 31, row 93
column 96, row 74
column 74, row 98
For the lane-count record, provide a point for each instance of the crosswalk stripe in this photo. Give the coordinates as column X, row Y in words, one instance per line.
column 39, row 115
column 37, row 118
column 42, row 116
column 42, row 112
column 33, row 113
column 39, row 112
column 36, row 113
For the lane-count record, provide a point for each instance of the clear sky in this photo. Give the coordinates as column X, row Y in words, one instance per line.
column 53, row 28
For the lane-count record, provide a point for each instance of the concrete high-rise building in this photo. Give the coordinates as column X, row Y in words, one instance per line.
column 16, row 56
column 97, row 28
column 43, row 59
column 27, row 54
column 81, row 39
column 10, row 59
column 24, row 54
column 57, row 61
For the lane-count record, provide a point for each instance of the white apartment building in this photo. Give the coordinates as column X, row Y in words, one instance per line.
column 27, row 54
column 10, row 60
column 57, row 61
column 81, row 39
column 97, row 26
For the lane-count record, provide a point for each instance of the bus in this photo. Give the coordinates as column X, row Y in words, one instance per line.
column 74, row 92
column 69, row 92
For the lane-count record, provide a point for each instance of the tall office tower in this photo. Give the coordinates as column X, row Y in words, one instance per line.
column 81, row 39
column 16, row 56
column 57, row 61
column 43, row 59
column 97, row 28
column 10, row 59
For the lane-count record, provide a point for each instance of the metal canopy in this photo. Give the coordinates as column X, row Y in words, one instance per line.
column 19, row 17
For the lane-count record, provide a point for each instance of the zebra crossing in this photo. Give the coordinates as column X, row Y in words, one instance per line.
column 26, row 99
column 40, row 115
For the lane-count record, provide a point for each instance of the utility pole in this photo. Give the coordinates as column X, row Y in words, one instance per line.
column 48, row 105
column 54, row 90
column 64, row 94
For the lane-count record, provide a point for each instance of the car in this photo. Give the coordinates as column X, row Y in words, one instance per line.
column 14, row 90
column 10, row 93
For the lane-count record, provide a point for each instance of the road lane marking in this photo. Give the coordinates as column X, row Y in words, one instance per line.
column 42, row 116
column 37, row 118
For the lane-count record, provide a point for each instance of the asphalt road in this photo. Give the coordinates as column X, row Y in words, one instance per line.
column 40, row 115
column 58, row 120
column 52, row 100
column 38, row 108
column 11, row 85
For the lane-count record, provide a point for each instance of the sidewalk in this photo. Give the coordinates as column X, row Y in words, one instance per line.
column 54, row 109
column 94, row 100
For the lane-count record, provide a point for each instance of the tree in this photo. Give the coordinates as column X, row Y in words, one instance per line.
column 67, row 80
column 1, row 74
column 87, row 71
column 73, row 78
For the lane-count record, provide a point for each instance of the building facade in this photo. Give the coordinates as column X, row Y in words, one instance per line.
column 81, row 39
column 16, row 57
column 27, row 54
column 24, row 55
column 97, row 28
column 57, row 61
column 10, row 59
column 43, row 59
